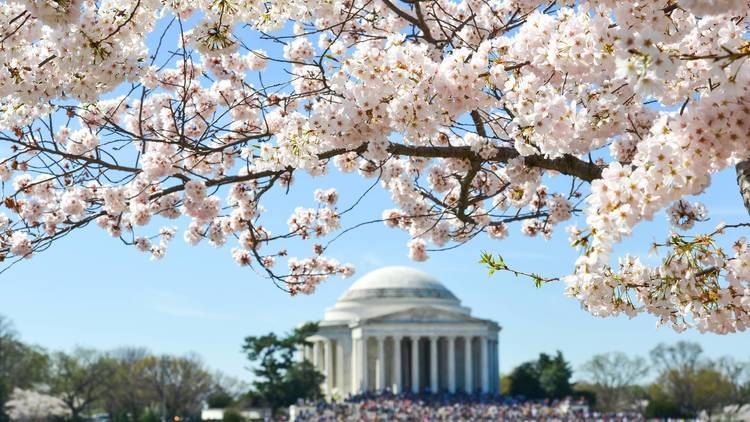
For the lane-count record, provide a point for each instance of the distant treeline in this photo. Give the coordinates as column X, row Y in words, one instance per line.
column 685, row 383
column 132, row 384
column 129, row 384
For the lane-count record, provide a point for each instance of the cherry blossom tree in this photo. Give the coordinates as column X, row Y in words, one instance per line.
column 477, row 116
column 35, row 406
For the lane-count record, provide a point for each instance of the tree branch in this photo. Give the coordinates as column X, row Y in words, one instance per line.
column 567, row 164
column 743, row 181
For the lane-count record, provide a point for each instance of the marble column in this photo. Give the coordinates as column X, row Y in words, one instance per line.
column 433, row 364
column 491, row 366
column 451, row 364
column 328, row 355
column 468, row 369
column 415, row 364
column 397, row 383
column 355, row 361
column 497, row 363
column 495, row 374
column 484, row 363
column 380, row 378
column 339, row 365
column 365, row 372
column 316, row 354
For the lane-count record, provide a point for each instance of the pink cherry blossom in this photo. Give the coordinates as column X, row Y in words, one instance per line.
column 488, row 118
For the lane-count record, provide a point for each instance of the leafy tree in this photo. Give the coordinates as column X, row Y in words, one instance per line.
column 547, row 377
column 612, row 376
column 130, row 384
column 504, row 384
column 219, row 399
column 712, row 391
column 524, row 381
column 233, row 416
column 80, row 379
column 737, row 373
column 21, row 365
column 554, row 375
column 661, row 405
column 180, row 384
column 280, row 380
column 695, row 384
column 128, row 392
column 225, row 390
column 586, row 392
column 151, row 415
column 679, row 365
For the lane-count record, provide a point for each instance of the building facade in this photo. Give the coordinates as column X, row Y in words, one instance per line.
column 400, row 329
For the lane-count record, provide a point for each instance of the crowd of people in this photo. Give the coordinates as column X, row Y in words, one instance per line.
column 452, row 408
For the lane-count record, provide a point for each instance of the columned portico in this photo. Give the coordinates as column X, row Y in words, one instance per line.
column 399, row 329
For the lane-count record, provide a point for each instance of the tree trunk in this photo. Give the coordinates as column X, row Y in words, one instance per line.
column 743, row 181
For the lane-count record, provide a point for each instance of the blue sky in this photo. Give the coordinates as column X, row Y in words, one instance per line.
column 90, row 290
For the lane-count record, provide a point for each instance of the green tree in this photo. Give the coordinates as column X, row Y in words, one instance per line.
column 180, row 384
column 21, row 365
column 661, row 405
column 219, row 399
column 554, row 375
column 694, row 384
column 128, row 392
column 80, row 379
column 233, row 416
column 712, row 391
column 679, row 364
column 226, row 391
column 280, row 381
column 505, row 385
column 738, row 375
column 524, row 381
column 547, row 377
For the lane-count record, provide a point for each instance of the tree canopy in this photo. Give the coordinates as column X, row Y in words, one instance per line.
column 21, row 365
column 547, row 377
column 477, row 117
column 613, row 376
column 130, row 384
column 280, row 379
column 686, row 384
column 691, row 383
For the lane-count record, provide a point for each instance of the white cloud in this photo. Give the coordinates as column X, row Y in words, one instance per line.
column 170, row 303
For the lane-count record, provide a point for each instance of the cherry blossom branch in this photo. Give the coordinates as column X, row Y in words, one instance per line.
column 498, row 264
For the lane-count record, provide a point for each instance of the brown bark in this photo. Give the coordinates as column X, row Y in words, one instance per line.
column 743, row 181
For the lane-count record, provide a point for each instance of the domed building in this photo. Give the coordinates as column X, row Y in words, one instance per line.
column 401, row 329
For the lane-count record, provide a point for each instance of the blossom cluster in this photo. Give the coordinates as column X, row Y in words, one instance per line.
column 35, row 405
column 477, row 118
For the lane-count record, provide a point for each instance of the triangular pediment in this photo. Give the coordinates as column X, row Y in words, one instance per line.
column 425, row 314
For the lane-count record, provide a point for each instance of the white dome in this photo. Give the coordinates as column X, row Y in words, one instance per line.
column 397, row 282
column 392, row 289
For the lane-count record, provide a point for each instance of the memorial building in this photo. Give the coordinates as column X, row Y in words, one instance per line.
column 400, row 329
